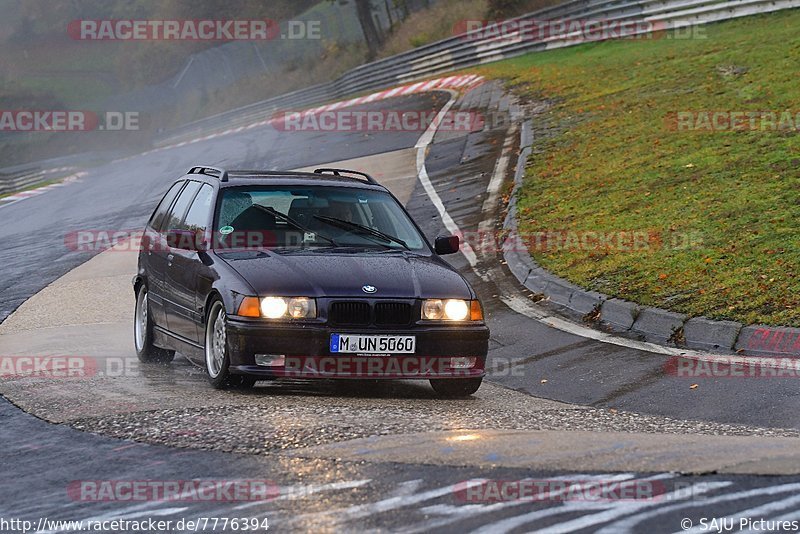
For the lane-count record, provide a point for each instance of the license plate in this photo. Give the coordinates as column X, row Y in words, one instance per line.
column 379, row 344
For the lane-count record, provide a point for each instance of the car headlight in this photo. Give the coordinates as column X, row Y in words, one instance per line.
column 274, row 307
column 279, row 307
column 451, row 310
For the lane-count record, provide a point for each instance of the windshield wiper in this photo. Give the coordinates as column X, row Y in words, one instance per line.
column 291, row 222
column 363, row 230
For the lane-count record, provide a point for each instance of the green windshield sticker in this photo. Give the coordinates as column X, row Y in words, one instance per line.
column 226, row 230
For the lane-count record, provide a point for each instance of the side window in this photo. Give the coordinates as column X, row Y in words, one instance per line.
column 199, row 215
column 179, row 208
column 163, row 207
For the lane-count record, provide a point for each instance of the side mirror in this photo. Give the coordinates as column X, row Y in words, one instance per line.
column 446, row 244
column 185, row 240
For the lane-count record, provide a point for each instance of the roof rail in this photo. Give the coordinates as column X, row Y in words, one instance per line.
column 221, row 174
column 339, row 172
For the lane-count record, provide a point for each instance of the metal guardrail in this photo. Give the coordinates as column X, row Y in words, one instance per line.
column 10, row 183
column 468, row 50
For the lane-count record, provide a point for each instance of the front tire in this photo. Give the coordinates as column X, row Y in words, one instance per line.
column 216, row 349
column 143, row 332
column 456, row 387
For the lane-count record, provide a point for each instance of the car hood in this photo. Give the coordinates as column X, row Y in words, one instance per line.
column 332, row 274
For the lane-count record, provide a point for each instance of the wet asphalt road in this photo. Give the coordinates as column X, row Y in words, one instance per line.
column 325, row 496
column 121, row 195
column 42, row 459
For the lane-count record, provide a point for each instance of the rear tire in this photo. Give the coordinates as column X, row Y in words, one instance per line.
column 216, row 350
column 143, row 332
column 456, row 387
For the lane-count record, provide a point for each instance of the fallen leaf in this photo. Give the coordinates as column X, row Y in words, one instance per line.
column 544, row 381
column 693, row 386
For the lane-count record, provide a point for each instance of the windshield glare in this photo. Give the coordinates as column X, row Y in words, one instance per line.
column 256, row 217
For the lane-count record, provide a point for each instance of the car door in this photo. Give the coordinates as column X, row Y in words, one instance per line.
column 153, row 255
column 184, row 267
column 174, row 303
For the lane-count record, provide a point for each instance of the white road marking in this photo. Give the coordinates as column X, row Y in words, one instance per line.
column 794, row 515
column 422, row 173
column 386, row 505
column 407, row 487
column 458, row 513
column 758, row 512
column 486, row 226
column 293, row 492
column 627, row 524
column 619, row 509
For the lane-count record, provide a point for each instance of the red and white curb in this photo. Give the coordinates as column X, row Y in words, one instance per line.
column 22, row 195
column 460, row 82
column 452, row 83
column 58, row 169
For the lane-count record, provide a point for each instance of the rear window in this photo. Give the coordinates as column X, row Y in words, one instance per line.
column 157, row 219
column 179, row 208
column 199, row 215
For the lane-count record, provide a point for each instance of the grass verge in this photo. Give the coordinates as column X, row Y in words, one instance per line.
column 720, row 209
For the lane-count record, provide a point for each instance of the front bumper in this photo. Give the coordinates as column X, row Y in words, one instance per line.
column 306, row 351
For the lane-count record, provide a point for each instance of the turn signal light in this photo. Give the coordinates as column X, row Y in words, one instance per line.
column 475, row 311
column 250, row 307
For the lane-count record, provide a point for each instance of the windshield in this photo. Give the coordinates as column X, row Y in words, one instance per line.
column 305, row 217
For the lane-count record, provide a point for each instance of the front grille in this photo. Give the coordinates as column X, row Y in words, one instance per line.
column 349, row 313
column 362, row 313
column 392, row 314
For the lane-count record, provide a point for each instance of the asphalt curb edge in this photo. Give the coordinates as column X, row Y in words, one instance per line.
column 628, row 318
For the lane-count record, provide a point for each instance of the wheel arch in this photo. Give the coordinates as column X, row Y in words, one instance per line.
column 213, row 295
column 138, row 280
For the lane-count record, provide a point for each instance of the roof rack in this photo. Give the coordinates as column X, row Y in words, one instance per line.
column 221, row 174
column 338, row 172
